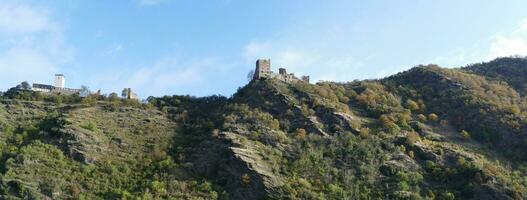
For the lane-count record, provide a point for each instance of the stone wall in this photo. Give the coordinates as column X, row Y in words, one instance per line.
column 263, row 70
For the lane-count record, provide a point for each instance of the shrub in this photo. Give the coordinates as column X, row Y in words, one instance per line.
column 446, row 196
column 433, row 117
column 412, row 105
column 411, row 154
column 364, row 132
column 246, row 179
column 443, row 122
column 89, row 126
column 411, row 138
column 421, row 118
column 465, row 135
column 301, row 133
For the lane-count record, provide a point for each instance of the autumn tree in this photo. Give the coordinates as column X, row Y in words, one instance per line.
column 246, row 179
column 433, row 117
column 412, row 105
column 421, row 118
column 465, row 135
column 301, row 133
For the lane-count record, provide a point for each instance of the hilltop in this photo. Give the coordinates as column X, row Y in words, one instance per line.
column 426, row 133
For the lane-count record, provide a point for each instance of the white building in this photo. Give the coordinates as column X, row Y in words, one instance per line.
column 60, row 81
column 59, row 86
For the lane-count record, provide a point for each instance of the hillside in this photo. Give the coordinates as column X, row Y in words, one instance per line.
column 426, row 133
column 510, row 70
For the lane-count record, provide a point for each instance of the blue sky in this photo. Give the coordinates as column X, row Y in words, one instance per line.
column 165, row 47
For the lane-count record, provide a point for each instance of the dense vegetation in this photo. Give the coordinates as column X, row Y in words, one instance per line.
column 427, row 133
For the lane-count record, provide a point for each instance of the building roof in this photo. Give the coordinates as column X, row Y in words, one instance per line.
column 43, row 86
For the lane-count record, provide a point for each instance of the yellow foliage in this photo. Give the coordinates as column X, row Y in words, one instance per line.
column 301, row 133
column 433, row 117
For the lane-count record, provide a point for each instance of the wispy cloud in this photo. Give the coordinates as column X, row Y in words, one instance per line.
column 514, row 43
column 113, row 49
column 321, row 64
column 170, row 74
column 18, row 18
column 33, row 44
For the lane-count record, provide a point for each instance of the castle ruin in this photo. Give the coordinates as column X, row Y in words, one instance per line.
column 127, row 93
column 263, row 70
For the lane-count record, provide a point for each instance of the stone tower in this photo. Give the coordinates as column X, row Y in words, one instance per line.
column 282, row 71
column 263, row 69
column 60, row 81
column 305, row 78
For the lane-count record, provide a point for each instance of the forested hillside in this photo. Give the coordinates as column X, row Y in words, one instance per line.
column 426, row 133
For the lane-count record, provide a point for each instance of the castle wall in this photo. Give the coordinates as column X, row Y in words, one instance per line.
column 263, row 70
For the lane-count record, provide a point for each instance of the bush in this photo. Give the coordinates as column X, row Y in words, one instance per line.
column 301, row 133
column 411, row 154
column 89, row 126
column 246, row 179
column 421, row 118
column 433, row 117
column 364, row 132
column 412, row 105
column 412, row 138
column 465, row 135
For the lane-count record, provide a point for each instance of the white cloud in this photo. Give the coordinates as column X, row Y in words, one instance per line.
column 19, row 18
column 169, row 74
column 319, row 64
column 23, row 62
column 511, row 44
column 33, row 47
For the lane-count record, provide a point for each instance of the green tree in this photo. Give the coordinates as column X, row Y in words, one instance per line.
column 25, row 86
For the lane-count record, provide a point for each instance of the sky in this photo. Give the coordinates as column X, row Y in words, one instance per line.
column 207, row 47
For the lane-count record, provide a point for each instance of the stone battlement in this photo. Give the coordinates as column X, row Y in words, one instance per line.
column 263, row 70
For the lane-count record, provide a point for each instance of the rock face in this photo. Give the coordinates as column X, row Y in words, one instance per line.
column 263, row 179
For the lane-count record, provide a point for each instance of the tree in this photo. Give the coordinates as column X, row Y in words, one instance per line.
column 25, row 85
column 89, row 101
column 246, row 179
column 433, row 117
column 113, row 96
column 412, row 138
column 411, row 154
column 301, row 133
column 84, row 91
column 465, row 135
column 412, row 105
column 446, row 196
column 421, row 118
column 364, row 132
column 250, row 75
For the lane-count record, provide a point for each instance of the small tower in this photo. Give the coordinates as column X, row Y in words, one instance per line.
column 263, row 68
column 305, row 78
column 127, row 93
column 60, row 81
